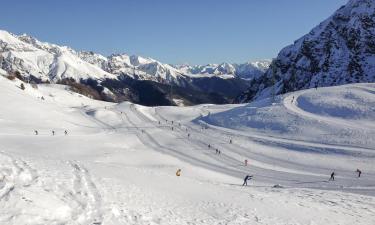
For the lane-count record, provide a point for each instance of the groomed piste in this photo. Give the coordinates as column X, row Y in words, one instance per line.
column 117, row 163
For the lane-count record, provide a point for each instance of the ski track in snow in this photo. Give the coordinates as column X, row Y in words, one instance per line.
column 124, row 172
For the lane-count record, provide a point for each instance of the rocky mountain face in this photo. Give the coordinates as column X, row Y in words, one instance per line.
column 120, row 77
column 338, row 51
column 249, row 70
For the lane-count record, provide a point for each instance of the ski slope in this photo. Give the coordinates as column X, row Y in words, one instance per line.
column 118, row 162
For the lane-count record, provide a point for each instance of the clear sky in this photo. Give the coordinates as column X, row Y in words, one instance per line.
column 172, row 31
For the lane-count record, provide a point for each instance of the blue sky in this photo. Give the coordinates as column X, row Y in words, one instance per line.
column 172, row 31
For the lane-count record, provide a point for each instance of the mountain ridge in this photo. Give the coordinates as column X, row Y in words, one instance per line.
column 340, row 50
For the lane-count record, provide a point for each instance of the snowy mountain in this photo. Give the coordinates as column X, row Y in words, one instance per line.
column 338, row 51
column 247, row 70
column 118, row 77
column 44, row 61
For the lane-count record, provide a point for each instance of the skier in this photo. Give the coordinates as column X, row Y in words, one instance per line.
column 178, row 172
column 188, row 135
column 248, row 177
column 359, row 172
column 332, row 176
column 217, row 151
column 209, row 146
column 230, row 141
column 53, row 132
column 36, row 132
column 172, row 128
column 245, row 162
column 66, row 132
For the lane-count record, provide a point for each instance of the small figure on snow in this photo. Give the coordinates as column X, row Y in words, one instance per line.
column 178, row 172
column 292, row 99
column 36, row 132
column 188, row 135
column 53, row 133
column 217, row 151
column 359, row 172
column 209, row 146
column 245, row 162
column 230, row 141
column 248, row 177
column 332, row 176
column 66, row 132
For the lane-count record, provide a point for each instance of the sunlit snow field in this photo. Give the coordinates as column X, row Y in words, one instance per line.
column 118, row 163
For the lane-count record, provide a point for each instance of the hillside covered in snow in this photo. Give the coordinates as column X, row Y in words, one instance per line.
column 120, row 77
column 118, row 163
column 340, row 50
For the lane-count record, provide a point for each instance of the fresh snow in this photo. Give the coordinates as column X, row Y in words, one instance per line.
column 117, row 164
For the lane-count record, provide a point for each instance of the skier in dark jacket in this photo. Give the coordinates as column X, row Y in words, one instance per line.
column 332, row 176
column 248, row 177
column 53, row 133
column 66, row 132
column 36, row 132
column 359, row 172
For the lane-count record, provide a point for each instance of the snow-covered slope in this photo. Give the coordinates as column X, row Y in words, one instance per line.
column 118, row 162
column 339, row 115
column 339, row 50
column 43, row 60
column 249, row 70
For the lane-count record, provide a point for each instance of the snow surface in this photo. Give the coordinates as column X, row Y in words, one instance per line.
column 117, row 164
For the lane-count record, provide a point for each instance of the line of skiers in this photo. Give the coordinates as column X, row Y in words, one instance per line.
column 333, row 174
column 53, row 132
column 332, row 177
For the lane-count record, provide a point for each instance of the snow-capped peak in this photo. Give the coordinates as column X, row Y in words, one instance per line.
column 43, row 60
